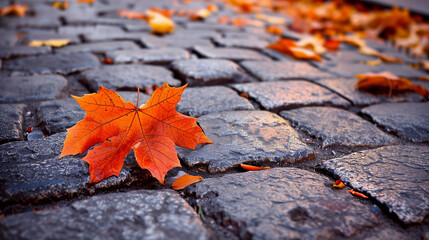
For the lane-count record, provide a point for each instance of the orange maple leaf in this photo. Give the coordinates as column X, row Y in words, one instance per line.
column 387, row 81
column 151, row 130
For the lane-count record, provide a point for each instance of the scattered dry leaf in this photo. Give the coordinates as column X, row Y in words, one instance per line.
column 151, row 131
column 332, row 44
column 374, row 62
column 274, row 30
column 85, row 1
column 160, row 24
column 312, row 43
column 338, row 184
column 252, row 168
column 386, row 81
column 289, row 47
column 223, row 19
column 29, row 129
column 238, row 22
column 50, row 42
column 184, row 181
column 61, row 5
column 357, row 194
column 14, row 10
column 424, row 78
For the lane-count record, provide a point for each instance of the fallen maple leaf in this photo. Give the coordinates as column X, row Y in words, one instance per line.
column 332, row 44
column 252, row 168
column 160, row 24
column 107, row 61
column 151, row 130
column 271, row 19
column 184, row 181
column 357, row 194
column 50, row 42
column 14, row 9
column 387, row 81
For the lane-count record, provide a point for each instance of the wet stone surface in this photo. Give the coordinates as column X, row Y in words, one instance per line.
column 245, row 136
column 100, row 47
column 30, row 88
column 11, row 122
column 395, row 176
column 347, row 89
column 241, row 43
column 337, row 127
column 143, row 214
column 58, row 115
column 274, row 71
column 282, row 203
column 126, row 77
column 350, row 70
column 200, row 101
column 58, row 63
column 408, row 120
column 289, row 94
column 208, row 71
column 234, row 54
column 160, row 42
column 31, row 171
column 22, row 51
column 159, row 55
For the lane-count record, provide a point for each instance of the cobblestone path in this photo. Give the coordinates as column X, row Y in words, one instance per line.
column 303, row 119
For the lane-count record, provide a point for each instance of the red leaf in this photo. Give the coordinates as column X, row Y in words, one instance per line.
column 252, row 168
column 184, row 181
column 357, row 194
column 152, row 131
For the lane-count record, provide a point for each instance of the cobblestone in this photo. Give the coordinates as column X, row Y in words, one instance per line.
column 99, row 47
column 31, row 171
column 22, row 51
column 408, row 120
column 347, row 89
column 395, row 176
column 208, row 71
column 337, row 127
column 158, row 42
column 127, row 77
column 31, row 88
column 159, row 55
column 200, row 101
column 282, row 203
column 133, row 215
column 245, row 136
column 59, row 63
column 234, row 54
column 241, row 43
column 11, row 122
column 280, row 95
column 274, row 71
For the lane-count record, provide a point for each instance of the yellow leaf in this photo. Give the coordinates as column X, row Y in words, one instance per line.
column 159, row 23
column 313, row 43
column 14, row 9
column 374, row 62
column 50, row 42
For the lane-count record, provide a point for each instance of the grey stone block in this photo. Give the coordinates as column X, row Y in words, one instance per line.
column 395, row 176
column 245, row 136
column 11, row 122
column 159, row 55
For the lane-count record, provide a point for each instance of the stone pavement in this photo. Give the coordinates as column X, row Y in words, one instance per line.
column 303, row 119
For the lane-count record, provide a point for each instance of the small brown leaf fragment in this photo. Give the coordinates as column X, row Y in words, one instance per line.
column 424, row 78
column 184, row 181
column 86, row 1
column 252, row 168
column 223, row 19
column 131, row 15
column 107, row 61
column 332, row 44
column 338, row 184
column 357, row 194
